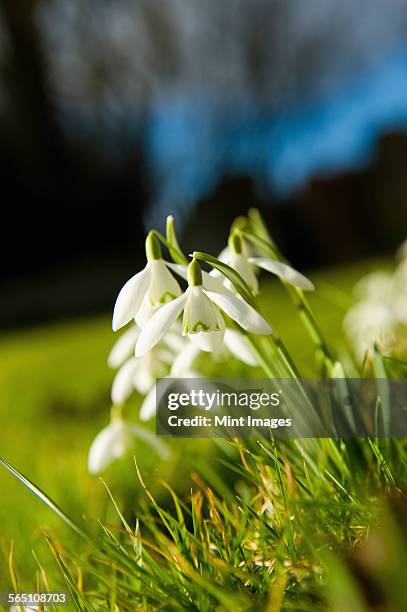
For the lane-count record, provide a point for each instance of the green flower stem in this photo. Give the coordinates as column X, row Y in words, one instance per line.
column 285, row 356
column 308, row 320
column 277, row 345
column 116, row 411
column 260, row 356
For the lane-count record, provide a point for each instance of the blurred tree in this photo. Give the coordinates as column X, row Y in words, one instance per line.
column 59, row 198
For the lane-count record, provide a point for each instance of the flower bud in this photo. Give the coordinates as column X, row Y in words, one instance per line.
column 153, row 249
column 235, row 243
column 194, row 274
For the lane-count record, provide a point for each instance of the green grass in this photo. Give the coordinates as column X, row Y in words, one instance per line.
column 297, row 504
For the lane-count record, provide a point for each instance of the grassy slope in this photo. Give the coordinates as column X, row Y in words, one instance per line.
column 55, row 396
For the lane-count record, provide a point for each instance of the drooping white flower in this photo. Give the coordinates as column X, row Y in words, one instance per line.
column 155, row 282
column 238, row 345
column 139, row 373
column 367, row 322
column 376, row 286
column 148, row 407
column 115, row 440
column 111, row 443
column 202, row 322
column 238, row 259
column 284, row 271
column 124, row 347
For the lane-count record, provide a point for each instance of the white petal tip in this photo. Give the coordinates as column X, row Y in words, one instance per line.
column 93, row 471
column 307, row 286
column 117, row 323
column 265, row 330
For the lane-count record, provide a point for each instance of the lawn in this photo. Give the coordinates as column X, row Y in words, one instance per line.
column 55, row 398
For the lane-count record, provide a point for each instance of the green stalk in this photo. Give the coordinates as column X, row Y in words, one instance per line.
column 260, row 356
column 308, row 320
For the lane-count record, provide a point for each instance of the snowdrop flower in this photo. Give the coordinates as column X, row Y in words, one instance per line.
column 247, row 267
column 202, row 321
column 111, row 443
column 141, row 373
column 115, row 440
column 367, row 322
column 378, row 286
column 124, row 347
column 369, row 315
column 148, row 407
column 155, row 281
column 138, row 374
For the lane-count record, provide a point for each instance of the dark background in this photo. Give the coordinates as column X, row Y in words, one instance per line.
column 78, row 185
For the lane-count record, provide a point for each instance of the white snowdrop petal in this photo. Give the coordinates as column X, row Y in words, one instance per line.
column 213, row 282
column 145, row 312
column 241, row 312
column 147, row 409
column 368, row 315
column 184, row 360
column 208, row 340
column 123, row 383
column 159, row 324
column 284, row 271
column 143, row 377
column 225, row 254
column 163, row 286
column 239, row 347
column 123, row 348
column 180, row 269
column 174, row 340
column 164, row 355
column 102, row 450
column 200, row 314
column 130, row 298
column 242, row 265
column 375, row 286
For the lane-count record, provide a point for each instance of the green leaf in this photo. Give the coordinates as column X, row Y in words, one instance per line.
column 41, row 495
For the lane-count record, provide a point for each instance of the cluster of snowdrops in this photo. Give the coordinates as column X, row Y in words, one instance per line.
column 173, row 310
